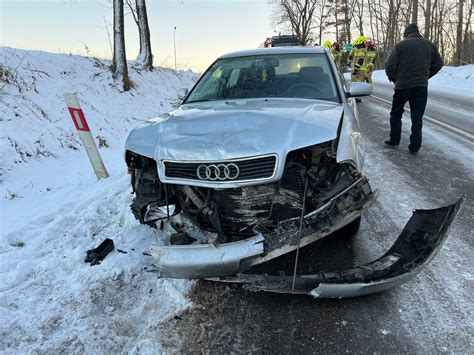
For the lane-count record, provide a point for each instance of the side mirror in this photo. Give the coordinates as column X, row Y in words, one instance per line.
column 182, row 93
column 359, row 89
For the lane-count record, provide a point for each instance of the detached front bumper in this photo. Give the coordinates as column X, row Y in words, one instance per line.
column 419, row 242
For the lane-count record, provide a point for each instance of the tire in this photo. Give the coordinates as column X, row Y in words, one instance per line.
column 350, row 229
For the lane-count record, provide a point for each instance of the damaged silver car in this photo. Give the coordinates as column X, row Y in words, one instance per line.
column 263, row 157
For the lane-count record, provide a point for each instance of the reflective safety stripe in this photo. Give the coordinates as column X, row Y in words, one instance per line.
column 359, row 59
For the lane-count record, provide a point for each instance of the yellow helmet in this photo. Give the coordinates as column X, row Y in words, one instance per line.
column 327, row 44
column 359, row 40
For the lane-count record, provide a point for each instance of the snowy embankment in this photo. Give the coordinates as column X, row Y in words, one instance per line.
column 53, row 210
column 457, row 81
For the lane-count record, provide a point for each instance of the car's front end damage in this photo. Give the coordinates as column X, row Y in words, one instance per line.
column 266, row 243
column 244, row 181
column 418, row 243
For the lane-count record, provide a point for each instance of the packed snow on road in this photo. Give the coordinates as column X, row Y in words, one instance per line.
column 53, row 209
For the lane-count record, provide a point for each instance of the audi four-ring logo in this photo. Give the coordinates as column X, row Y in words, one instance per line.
column 218, row 172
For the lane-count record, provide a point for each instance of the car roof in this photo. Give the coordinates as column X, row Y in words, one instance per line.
column 274, row 50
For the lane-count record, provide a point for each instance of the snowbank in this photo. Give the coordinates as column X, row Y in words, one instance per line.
column 455, row 80
column 53, row 210
column 34, row 120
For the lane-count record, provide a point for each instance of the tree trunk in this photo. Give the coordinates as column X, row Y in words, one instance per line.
column 414, row 14
column 467, row 40
column 426, row 33
column 459, row 41
column 119, row 63
column 347, row 22
column 433, row 19
column 391, row 24
column 361, row 18
column 145, row 57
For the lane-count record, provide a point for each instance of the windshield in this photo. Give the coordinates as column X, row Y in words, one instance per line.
column 297, row 75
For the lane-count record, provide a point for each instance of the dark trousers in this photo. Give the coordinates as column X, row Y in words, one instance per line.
column 417, row 97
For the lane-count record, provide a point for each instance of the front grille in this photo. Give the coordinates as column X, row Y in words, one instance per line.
column 248, row 169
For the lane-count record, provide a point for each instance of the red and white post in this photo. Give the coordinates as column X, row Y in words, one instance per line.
column 85, row 135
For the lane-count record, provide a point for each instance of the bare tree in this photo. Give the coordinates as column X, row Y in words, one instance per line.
column 468, row 45
column 140, row 16
column 427, row 14
column 119, row 63
column 348, row 16
column 448, row 23
column 339, row 9
column 145, row 58
column 322, row 13
column 298, row 16
column 358, row 11
column 459, row 28
column 414, row 14
column 133, row 10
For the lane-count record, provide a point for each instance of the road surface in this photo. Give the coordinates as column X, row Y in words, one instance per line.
column 433, row 313
column 455, row 110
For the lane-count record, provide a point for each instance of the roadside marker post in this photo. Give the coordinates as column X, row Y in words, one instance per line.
column 85, row 135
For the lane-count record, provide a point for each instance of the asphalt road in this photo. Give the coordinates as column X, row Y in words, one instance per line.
column 433, row 313
column 455, row 110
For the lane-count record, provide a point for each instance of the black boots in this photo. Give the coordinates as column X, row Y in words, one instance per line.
column 391, row 144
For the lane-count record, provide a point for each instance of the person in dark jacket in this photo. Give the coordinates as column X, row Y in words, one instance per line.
column 410, row 64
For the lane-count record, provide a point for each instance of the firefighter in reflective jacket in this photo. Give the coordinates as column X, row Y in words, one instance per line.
column 371, row 55
column 336, row 51
column 327, row 45
column 359, row 59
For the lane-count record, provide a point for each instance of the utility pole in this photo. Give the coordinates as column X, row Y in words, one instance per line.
column 174, row 41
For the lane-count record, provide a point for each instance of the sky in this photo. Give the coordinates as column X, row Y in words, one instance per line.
column 205, row 28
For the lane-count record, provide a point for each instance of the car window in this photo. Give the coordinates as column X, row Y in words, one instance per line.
column 234, row 76
column 298, row 75
column 343, row 80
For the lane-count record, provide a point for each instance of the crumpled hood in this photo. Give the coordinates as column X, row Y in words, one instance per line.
column 239, row 128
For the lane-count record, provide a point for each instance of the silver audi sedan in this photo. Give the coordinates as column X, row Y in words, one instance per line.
column 264, row 156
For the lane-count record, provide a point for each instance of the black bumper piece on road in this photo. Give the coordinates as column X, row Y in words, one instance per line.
column 420, row 240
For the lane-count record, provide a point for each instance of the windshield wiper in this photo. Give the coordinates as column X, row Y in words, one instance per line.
column 190, row 102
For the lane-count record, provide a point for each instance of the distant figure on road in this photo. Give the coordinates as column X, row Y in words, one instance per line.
column 410, row 64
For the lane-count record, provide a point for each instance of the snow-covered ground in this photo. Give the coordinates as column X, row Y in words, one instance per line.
column 458, row 81
column 53, row 210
